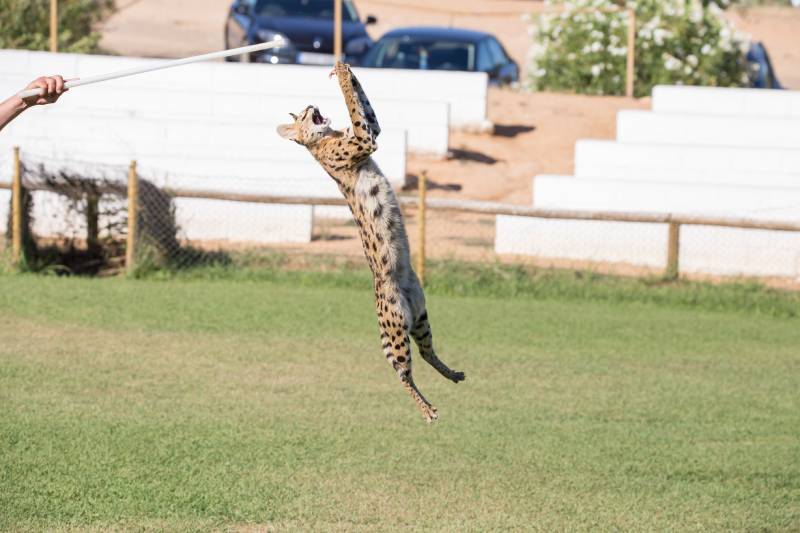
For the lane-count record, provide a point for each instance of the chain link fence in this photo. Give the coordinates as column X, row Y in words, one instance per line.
column 78, row 219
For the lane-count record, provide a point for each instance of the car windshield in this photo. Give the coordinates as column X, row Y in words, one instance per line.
column 316, row 9
column 424, row 54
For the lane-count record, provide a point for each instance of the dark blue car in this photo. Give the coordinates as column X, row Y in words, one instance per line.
column 432, row 48
column 762, row 74
column 306, row 25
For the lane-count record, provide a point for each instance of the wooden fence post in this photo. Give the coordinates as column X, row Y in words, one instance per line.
column 673, row 251
column 54, row 25
column 133, row 204
column 423, row 192
column 630, row 68
column 92, row 222
column 337, row 30
column 16, row 210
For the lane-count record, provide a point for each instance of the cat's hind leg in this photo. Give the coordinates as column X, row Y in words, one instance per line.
column 421, row 331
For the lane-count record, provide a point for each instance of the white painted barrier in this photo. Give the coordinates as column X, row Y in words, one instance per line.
column 197, row 219
column 5, row 207
column 646, row 127
column 423, row 103
column 726, row 101
column 703, row 249
column 739, row 252
column 567, row 192
column 687, row 164
column 214, row 220
column 581, row 240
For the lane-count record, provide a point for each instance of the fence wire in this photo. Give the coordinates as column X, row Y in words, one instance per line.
column 77, row 220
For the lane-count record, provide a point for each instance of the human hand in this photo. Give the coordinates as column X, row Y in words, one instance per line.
column 53, row 87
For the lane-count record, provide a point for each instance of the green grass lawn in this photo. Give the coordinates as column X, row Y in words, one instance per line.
column 236, row 404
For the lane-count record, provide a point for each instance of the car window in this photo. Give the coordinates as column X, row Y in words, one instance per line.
column 317, row 9
column 485, row 62
column 424, row 55
column 496, row 51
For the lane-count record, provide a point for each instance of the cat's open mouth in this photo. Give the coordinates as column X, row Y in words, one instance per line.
column 317, row 117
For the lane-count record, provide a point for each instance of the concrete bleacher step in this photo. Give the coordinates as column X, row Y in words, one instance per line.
column 425, row 122
column 608, row 194
column 426, row 103
column 47, row 132
column 726, row 101
column 728, row 153
column 688, row 164
column 647, row 127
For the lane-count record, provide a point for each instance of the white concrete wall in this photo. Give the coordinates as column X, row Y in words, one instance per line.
column 687, row 164
column 579, row 240
column 5, row 206
column 726, row 101
column 197, row 220
column 703, row 249
column 567, row 192
column 647, row 127
column 423, row 103
column 739, row 252
column 243, row 222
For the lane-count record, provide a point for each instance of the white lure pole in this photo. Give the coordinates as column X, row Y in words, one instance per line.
column 176, row 63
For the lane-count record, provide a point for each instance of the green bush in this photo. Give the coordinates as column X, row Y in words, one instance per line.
column 583, row 48
column 25, row 24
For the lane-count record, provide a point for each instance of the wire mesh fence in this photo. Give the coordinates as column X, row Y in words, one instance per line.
column 79, row 219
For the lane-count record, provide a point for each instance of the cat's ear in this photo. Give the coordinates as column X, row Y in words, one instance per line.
column 294, row 117
column 288, row 131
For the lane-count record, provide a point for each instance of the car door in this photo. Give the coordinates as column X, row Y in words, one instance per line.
column 238, row 22
column 504, row 69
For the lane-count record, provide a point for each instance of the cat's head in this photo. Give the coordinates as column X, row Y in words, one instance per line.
column 309, row 127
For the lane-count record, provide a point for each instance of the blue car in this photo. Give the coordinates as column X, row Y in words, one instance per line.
column 432, row 48
column 306, row 25
column 762, row 74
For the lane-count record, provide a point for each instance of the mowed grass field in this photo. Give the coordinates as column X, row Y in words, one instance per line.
column 249, row 405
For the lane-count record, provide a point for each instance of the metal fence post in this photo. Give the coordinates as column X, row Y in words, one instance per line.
column 54, row 25
column 423, row 192
column 133, row 204
column 673, row 250
column 630, row 73
column 16, row 210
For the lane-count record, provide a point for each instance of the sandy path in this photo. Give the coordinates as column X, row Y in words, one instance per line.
column 165, row 28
